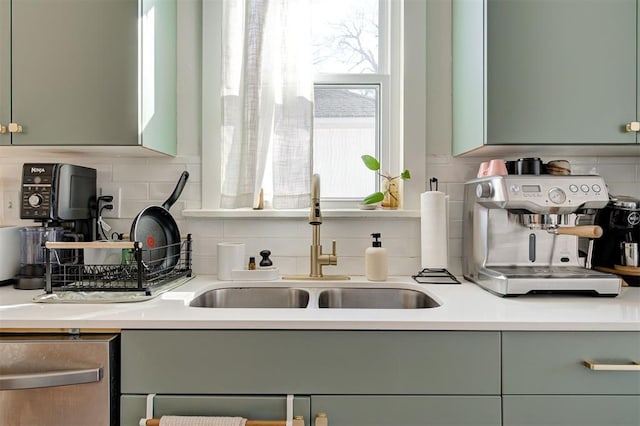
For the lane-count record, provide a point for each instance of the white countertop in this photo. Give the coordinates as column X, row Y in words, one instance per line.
column 463, row 307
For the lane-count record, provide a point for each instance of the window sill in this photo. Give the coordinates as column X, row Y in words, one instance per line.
column 269, row 213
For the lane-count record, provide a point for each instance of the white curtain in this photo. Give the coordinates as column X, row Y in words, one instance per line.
column 267, row 101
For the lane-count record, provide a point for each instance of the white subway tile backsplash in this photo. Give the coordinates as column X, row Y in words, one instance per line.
column 455, row 228
column 335, row 228
column 144, row 182
column 204, row 228
column 205, row 246
column 624, row 188
column 204, row 265
column 452, row 172
column 616, row 172
column 278, row 246
column 147, row 172
column 618, row 160
column 128, row 192
column 456, row 208
column 246, row 228
column 286, row 265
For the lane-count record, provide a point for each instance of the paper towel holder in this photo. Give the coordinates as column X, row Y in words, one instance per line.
column 433, row 182
column 435, row 276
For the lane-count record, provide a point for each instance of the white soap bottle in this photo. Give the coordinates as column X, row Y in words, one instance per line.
column 376, row 264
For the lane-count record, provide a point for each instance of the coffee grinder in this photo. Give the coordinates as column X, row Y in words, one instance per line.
column 61, row 198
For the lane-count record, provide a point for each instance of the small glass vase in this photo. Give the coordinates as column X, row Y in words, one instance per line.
column 391, row 199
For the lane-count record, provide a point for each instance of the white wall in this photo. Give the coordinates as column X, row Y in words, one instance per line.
column 148, row 181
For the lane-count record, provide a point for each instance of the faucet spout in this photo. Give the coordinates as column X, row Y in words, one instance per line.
column 315, row 216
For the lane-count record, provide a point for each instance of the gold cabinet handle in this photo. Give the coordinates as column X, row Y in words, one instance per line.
column 15, row 128
column 593, row 365
column 634, row 126
column 3, row 129
column 321, row 420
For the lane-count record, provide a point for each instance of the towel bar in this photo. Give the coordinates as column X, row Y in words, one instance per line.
column 297, row 421
column 291, row 419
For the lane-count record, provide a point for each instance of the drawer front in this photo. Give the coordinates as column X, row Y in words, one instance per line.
column 565, row 410
column 310, row 362
column 344, row 410
column 552, row 362
column 133, row 407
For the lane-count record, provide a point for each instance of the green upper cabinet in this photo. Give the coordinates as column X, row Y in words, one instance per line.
column 90, row 73
column 544, row 72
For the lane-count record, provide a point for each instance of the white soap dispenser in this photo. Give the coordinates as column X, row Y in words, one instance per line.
column 376, row 264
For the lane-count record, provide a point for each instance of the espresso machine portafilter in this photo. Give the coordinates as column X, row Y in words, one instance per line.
column 520, row 235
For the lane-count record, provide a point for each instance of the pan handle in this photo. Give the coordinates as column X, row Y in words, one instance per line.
column 177, row 191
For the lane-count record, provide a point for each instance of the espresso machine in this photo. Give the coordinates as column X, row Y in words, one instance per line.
column 61, row 199
column 520, row 235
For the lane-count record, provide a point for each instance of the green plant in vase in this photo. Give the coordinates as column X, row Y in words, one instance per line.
column 390, row 196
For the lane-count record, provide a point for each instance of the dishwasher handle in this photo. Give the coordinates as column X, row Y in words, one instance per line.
column 48, row 379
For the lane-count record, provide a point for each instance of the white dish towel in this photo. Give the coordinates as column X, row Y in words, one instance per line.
column 201, row 421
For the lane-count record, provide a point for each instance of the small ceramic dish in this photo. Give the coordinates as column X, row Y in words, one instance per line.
column 373, row 206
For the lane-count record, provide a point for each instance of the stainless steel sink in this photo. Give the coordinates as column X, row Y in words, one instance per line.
column 252, row 297
column 375, row 298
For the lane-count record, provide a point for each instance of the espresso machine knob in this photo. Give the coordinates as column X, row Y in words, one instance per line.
column 35, row 200
column 484, row 190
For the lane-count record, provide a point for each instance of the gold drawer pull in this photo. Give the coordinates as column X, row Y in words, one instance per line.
column 634, row 126
column 634, row 366
column 15, row 128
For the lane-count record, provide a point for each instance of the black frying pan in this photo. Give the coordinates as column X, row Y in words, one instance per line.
column 158, row 232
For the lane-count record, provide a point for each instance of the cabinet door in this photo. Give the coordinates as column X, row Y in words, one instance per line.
column 551, row 363
column 75, row 72
column 560, row 71
column 5, row 69
column 348, row 410
column 133, row 407
column 563, row 410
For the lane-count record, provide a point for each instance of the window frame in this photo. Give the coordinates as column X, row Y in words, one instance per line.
column 392, row 99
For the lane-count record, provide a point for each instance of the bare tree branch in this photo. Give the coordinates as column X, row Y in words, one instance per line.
column 348, row 44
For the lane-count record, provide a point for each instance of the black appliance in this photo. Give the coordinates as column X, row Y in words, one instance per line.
column 62, row 199
column 620, row 222
column 57, row 192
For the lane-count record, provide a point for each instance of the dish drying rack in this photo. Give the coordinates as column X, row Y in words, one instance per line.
column 142, row 270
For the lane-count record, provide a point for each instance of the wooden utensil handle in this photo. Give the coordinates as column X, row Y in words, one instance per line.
column 586, row 231
column 90, row 244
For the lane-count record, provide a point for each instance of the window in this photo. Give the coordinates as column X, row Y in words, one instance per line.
column 348, row 80
column 345, row 126
column 357, row 58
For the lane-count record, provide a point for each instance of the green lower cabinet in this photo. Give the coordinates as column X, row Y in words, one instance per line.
column 410, row 410
column 566, row 410
column 358, row 378
column 545, row 381
column 133, row 407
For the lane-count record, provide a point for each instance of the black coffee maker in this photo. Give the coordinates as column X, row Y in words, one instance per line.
column 620, row 222
column 61, row 199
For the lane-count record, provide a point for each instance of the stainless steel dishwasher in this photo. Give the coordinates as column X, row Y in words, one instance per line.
column 59, row 379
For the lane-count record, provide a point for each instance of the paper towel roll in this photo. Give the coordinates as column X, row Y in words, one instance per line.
column 230, row 257
column 434, row 235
